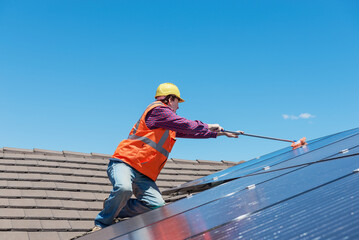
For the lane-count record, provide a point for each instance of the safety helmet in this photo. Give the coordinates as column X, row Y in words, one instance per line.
column 165, row 89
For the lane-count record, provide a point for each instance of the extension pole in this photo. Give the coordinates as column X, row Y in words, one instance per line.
column 257, row 136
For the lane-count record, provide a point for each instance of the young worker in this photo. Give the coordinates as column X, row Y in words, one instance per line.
column 138, row 160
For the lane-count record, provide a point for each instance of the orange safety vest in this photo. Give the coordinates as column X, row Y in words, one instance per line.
column 146, row 149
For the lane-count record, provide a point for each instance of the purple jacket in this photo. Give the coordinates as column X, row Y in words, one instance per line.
column 164, row 117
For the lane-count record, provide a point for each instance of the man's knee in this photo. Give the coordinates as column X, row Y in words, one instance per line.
column 158, row 203
column 123, row 189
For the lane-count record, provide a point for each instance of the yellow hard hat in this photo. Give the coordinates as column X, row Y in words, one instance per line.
column 165, row 89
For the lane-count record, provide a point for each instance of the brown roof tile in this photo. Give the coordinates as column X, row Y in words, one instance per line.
column 53, row 177
column 25, row 224
column 106, row 188
column 79, row 179
column 49, row 163
column 30, row 176
column 88, row 214
column 209, row 162
column 8, row 161
column 12, row 212
column 26, row 162
column 183, row 161
column 70, row 153
column 170, row 171
column 83, row 195
column 95, row 205
column 55, row 225
column 209, row 167
column 187, row 167
column 3, row 168
column 39, row 213
column 10, row 193
column 165, row 184
column 168, row 177
column 22, row 202
column 101, row 196
column 72, row 165
column 29, row 156
column 66, row 214
column 5, row 225
column 33, row 193
column 197, row 173
column 231, row 163
column 82, row 225
column 56, row 158
column 70, row 204
column 58, row 194
column 48, row 203
column 101, row 155
column 19, row 184
column 14, row 235
column 170, row 166
column 90, row 187
column 64, row 171
column 4, row 202
column 204, row 173
column 17, row 150
column 17, row 168
column 47, row 152
column 11, row 155
column 44, row 185
column 43, row 236
column 3, row 184
column 67, row 186
column 79, row 159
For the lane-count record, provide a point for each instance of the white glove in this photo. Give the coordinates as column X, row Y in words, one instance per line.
column 215, row 127
column 229, row 134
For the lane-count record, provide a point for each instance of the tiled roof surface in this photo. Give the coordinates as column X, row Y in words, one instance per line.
column 57, row 194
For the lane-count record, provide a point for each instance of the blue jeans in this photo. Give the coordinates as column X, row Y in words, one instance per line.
column 127, row 181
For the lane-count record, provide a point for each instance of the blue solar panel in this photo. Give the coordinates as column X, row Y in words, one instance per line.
column 311, row 215
column 276, row 203
column 271, row 159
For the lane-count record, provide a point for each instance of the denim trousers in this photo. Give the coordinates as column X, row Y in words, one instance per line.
column 127, row 181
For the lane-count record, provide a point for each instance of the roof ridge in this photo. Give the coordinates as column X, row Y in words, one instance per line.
column 53, row 152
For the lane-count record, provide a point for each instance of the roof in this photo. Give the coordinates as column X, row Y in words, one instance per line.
column 57, row 194
column 307, row 193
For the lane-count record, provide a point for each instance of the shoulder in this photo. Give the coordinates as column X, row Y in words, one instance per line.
column 164, row 109
column 162, row 112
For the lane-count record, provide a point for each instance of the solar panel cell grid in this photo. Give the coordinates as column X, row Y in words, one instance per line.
column 313, row 215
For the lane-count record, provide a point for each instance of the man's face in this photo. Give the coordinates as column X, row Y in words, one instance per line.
column 173, row 104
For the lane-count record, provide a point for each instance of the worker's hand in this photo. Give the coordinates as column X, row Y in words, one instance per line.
column 215, row 127
column 228, row 134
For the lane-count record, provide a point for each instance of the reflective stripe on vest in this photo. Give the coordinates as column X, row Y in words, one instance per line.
column 158, row 146
column 138, row 122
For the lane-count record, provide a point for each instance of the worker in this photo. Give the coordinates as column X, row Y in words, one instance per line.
column 138, row 160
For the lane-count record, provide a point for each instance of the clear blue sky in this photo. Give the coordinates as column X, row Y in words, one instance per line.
column 76, row 75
